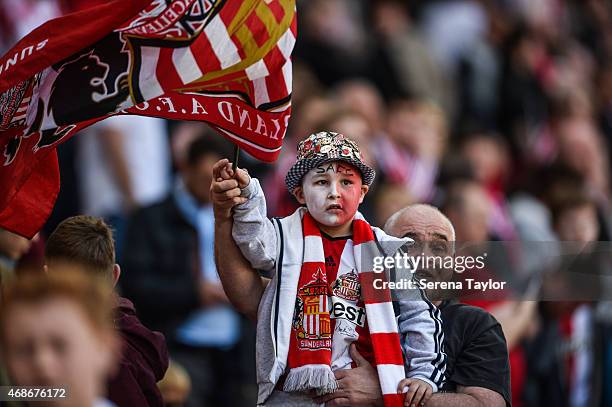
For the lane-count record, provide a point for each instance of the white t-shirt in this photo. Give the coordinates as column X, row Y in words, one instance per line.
column 145, row 144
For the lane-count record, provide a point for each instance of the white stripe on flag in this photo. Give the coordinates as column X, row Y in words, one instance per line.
column 390, row 376
column 257, row 70
column 381, row 324
column 222, row 44
column 313, row 249
column 286, row 43
column 261, row 92
column 148, row 85
column 185, row 64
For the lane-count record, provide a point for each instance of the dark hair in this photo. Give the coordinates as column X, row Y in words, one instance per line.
column 84, row 240
column 578, row 199
column 208, row 143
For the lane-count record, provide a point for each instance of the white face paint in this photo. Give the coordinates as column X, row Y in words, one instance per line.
column 332, row 193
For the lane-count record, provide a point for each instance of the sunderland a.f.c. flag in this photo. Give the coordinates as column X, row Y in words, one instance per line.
column 225, row 62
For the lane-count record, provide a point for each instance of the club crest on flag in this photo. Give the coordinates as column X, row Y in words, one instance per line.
column 311, row 318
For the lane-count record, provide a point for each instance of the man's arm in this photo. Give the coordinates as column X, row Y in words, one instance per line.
column 471, row 396
column 242, row 284
column 359, row 387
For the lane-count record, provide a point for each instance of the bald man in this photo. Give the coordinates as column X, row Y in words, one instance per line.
column 477, row 368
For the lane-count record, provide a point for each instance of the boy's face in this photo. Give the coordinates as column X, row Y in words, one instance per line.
column 53, row 344
column 332, row 193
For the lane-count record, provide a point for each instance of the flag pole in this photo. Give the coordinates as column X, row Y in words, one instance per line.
column 236, row 155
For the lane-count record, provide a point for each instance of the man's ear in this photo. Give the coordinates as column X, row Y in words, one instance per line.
column 298, row 192
column 116, row 274
column 46, row 269
column 364, row 191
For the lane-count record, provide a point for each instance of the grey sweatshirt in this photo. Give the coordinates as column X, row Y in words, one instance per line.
column 419, row 321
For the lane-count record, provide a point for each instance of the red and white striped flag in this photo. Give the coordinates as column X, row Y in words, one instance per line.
column 225, row 62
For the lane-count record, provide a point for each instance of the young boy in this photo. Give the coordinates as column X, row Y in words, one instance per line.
column 87, row 242
column 57, row 330
column 321, row 298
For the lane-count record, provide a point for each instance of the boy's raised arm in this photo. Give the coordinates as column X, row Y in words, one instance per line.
column 252, row 231
column 242, row 284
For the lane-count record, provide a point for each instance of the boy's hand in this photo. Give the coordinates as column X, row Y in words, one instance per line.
column 225, row 189
column 419, row 392
column 225, row 171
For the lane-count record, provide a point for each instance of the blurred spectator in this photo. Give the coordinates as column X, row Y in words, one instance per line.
column 417, row 138
column 489, row 158
column 570, row 376
column 123, row 164
column 413, row 72
column 171, row 277
column 575, row 220
column 451, row 28
column 12, row 248
column 87, row 242
column 362, row 97
column 389, row 199
column 469, row 210
column 57, row 330
column 581, row 148
column 332, row 39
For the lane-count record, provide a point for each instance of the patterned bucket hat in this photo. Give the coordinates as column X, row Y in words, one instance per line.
column 324, row 147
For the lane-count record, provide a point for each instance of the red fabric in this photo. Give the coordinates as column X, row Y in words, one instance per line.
column 566, row 328
column 311, row 334
column 63, row 37
column 75, row 70
column 368, row 287
column 143, row 363
column 39, row 191
column 313, row 274
column 333, row 249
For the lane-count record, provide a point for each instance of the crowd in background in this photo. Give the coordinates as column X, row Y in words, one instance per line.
column 499, row 112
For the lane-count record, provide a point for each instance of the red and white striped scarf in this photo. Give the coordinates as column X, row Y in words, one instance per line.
column 310, row 343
